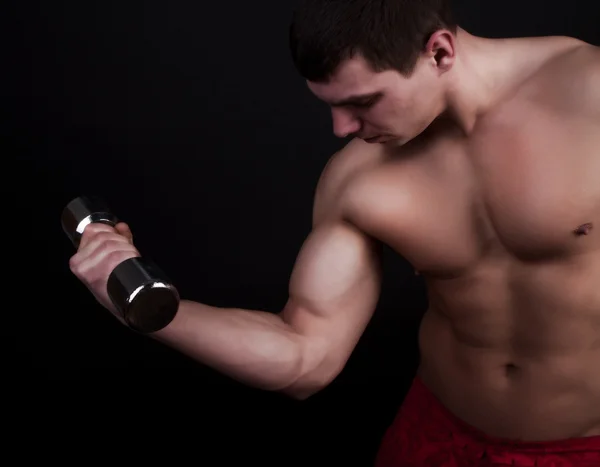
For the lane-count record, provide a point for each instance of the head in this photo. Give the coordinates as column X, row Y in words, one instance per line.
column 379, row 64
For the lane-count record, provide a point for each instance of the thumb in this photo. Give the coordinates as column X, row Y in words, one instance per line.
column 123, row 229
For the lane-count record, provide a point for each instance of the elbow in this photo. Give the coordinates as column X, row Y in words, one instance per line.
column 315, row 369
column 312, row 381
column 302, row 393
column 304, row 385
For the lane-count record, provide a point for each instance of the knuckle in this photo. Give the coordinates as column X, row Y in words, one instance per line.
column 89, row 231
column 78, row 268
column 95, row 229
column 101, row 241
column 104, row 237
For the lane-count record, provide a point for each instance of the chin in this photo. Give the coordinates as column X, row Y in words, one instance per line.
column 394, row 141
column 379, row 140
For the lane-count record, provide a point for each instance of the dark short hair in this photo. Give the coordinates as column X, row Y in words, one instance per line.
column 389, row 34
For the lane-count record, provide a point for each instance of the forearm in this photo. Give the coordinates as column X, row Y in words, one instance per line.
column 256, row 348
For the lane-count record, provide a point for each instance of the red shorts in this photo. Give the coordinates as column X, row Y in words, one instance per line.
column 425, row 433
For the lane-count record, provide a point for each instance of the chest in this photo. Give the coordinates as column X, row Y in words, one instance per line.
column 526, row 186
column 537, row 183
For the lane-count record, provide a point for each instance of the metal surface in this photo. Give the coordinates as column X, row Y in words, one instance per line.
column 81, row 212
column 144, row 295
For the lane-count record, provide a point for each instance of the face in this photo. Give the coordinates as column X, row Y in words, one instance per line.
column 383, row 107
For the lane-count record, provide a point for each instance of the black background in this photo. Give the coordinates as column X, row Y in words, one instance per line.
column 190, row 120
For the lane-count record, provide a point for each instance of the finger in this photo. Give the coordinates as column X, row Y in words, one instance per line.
column 96, row 277
column 91, row 231
column 105, row 259
column 124, row 230
column 96, row 241
column 100, row 241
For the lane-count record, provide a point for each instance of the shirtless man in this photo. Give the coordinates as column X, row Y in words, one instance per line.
column 478, row 161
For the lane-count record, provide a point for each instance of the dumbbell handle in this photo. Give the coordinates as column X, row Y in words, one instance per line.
column 138, row 288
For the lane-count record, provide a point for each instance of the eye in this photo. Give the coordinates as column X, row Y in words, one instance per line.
column 360, row 106
column 366, row 104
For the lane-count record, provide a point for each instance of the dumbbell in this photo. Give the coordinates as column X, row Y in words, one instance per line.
column 138, row 288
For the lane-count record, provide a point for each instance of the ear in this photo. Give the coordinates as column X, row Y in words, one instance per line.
column 441, row 50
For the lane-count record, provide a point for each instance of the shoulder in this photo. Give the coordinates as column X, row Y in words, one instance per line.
column 581, row 56
column 341, row 170
column 571, row 79
column 582, row 79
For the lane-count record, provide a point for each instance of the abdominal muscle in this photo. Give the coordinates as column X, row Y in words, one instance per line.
column 529, row 373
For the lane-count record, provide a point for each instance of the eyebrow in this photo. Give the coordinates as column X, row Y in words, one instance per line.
column 355, row 100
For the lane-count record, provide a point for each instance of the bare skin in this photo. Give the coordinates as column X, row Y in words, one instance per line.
column 499, row 230
column 491, row 192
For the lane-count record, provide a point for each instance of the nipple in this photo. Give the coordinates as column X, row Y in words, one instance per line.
column 584, row 229
column 511, row 369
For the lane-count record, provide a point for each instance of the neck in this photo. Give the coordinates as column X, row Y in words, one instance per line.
column 485, row 71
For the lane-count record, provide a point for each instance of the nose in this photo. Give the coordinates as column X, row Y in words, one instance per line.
column 344, row 123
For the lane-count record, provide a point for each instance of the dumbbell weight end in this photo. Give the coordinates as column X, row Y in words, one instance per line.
column 142, row 292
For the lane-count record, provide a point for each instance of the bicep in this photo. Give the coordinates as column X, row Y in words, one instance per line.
column 333, row 292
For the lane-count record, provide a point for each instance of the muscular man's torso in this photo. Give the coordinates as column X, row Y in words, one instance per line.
column 504, row 226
